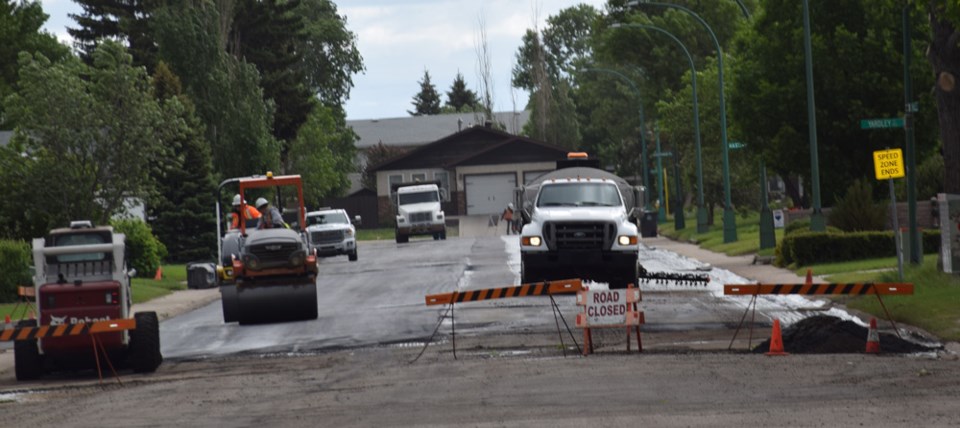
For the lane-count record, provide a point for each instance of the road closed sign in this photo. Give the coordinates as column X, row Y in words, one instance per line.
column 609, row 307
column 888, row 164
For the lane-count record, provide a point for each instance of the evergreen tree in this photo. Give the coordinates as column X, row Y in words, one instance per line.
column 266, row 34
column 427, row 101
column 459, row 97
column 124, row 20
column 182, row 212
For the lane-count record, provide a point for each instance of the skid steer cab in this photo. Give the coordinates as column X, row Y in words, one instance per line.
column 266, row 271
column 80, row 277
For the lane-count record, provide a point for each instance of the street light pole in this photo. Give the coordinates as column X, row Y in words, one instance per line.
column 643, row 142
column 702, row 226
column 729, row 217
column 817, row 222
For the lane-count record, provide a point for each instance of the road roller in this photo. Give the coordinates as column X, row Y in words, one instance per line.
column 266, row 271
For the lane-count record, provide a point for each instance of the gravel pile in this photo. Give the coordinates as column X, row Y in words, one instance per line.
column 831, row 335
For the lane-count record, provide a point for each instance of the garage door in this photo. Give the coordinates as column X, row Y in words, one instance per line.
column 489, row 194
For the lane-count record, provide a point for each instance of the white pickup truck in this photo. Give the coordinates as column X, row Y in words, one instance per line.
column 418, row 211
column 579, row 222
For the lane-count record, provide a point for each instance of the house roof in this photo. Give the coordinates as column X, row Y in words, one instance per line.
column 420, row 130
column 478, row 145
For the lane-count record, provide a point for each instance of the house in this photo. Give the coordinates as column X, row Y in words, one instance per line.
column 478, row 169
column 414, row 131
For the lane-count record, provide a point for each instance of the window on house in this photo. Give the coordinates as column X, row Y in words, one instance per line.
column 421, row 177
column 394, row 179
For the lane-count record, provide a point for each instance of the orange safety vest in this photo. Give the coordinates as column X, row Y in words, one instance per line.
column 507, row 214
column 252, row 213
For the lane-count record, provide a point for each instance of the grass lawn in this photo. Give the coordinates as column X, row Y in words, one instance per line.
column 748, row 234
column 174, row 278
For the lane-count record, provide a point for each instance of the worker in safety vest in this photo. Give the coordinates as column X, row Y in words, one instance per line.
column 250, row 213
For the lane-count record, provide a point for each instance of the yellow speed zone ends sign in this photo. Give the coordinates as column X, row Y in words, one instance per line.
column 888, row 164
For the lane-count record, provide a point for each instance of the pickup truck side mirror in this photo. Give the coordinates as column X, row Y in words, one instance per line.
column 357, row 221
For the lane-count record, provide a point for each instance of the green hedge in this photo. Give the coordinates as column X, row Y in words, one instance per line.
column 144, row 250
column 807, row 248
column 15, row 267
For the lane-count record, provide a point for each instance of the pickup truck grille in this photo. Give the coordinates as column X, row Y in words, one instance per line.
column 326, row 237
column 579, row 235
column 421, row 217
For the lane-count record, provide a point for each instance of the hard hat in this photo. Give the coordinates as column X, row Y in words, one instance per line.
column 261, row 202
column 236, row 199
column 510, row 205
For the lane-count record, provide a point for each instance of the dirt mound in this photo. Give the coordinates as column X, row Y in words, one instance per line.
column 830, row 335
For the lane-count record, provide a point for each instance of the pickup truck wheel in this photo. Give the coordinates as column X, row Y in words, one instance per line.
column 28, row 363
column 436, row 236
column 443, row 235
column 353, row 255
column 401, row 238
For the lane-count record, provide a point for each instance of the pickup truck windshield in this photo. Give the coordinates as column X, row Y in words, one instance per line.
column 579, row 195
column 330, row 218
column 419, row 197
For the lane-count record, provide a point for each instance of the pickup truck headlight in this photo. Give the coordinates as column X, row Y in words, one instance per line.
column 349, row 232
column 531, row 241
column 401, row 220
column 627, row 240
column 440, row 216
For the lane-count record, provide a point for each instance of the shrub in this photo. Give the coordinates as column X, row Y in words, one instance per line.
column 145, row 251
column 802, row 249
column 856, row 210
column 803, row 225
column 15, row 263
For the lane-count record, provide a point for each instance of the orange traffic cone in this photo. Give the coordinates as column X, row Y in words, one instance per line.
column 776, row 342
column 159, row 274
column 809, row 277
column 6, row 320
column 873, row 338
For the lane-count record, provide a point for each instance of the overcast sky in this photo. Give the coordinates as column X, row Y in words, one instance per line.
column 398, row 39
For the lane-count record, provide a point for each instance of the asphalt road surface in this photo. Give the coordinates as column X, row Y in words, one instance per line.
column 380, row 300
column 364, row 363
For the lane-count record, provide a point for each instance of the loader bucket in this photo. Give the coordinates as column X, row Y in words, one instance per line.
column 275, row 300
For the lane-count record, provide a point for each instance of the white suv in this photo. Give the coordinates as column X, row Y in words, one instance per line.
column 331, row 233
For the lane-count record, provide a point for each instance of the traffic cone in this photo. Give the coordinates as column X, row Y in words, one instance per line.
column 809, row 280
column 776, row 342
column 873, row 338
column 159, row 274
column 6, row 320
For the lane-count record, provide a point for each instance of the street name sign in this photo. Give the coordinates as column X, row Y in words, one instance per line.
column 888, row 164
column 893, row 122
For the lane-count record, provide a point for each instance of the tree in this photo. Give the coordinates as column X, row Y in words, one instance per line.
column 484, row 66
column 565, row 42
column 323, row 154
column 375, row 155
column 225, row 90
column 86, row 138
column 182, row 211
column 676, row 133
column 944, row 57
column 123, row 20
column 267, row 34
column 427, row 101
column 20, row 30
column 328, row 51
column 856, row 39
column 459, row 97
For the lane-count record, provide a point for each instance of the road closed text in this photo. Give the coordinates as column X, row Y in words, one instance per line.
column 606, row 306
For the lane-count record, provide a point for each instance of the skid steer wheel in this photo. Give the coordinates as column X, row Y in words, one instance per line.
column 27, row 360
column 144, row 356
